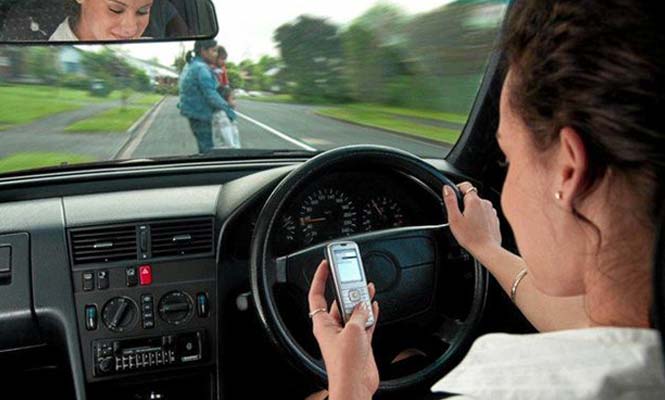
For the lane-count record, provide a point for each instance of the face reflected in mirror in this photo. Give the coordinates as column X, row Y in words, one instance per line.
column 101, row 20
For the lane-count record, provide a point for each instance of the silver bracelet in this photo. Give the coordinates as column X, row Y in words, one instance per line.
column 516, row 282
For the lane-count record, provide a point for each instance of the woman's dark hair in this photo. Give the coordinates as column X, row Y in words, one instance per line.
column 596, row 66
column 198, row 46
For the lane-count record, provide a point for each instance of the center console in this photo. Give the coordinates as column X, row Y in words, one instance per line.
column 145, row 297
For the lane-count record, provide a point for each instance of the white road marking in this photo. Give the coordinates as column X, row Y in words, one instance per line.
column 277, row 133
column 318, row 142
column 134, row 143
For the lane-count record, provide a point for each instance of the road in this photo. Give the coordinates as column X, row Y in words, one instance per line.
column 48, row 135
column 270, row 126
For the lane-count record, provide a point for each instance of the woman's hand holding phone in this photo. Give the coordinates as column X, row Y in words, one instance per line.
column 346, row 349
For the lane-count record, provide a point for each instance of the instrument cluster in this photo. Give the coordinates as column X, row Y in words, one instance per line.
column 344, row 204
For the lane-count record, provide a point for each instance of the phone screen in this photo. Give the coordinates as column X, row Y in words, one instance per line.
column 348, row 266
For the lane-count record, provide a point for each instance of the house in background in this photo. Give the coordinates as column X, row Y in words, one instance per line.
column 11, row 63
column 69, row 61
column 14, row 63
column 158, row 74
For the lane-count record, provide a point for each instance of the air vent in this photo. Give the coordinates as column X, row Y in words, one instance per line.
column 103, row 245
column 182, row 238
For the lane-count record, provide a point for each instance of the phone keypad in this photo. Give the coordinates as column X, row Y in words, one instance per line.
column 354, row 295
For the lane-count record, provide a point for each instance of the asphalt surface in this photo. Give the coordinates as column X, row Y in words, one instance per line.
column 166, row 133
column 271, row 126
column 48, row 135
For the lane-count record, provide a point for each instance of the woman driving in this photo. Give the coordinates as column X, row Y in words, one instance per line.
column 584, row 140
column 105, row 20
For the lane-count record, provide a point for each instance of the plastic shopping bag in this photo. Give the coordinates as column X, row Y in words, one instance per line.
column 225, row 133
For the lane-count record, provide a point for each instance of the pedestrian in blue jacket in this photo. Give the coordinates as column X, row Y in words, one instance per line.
column 199, row 97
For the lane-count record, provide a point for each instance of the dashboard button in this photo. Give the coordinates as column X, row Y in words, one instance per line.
column 202, row 305
column 103, row 280
column 88, row 281
column 145, row 275
column 91, row 317
column 131, row 277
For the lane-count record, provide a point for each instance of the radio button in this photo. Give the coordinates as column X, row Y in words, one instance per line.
column 106, row 364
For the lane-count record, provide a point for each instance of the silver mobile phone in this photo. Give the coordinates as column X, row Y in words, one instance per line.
column 348, row 277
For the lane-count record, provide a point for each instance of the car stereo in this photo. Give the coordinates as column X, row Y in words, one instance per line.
column 116, row 356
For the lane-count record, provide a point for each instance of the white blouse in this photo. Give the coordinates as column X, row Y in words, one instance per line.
column 594, row 363
column 64, row 33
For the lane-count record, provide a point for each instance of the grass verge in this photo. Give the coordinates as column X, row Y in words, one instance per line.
column 25, row 161
column 114, row 120
column 278, row 98
column 390, row 122
column 409, row 112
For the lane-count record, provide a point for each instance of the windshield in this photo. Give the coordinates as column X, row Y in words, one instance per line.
column 304, row 77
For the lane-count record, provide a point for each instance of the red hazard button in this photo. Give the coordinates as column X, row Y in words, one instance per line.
column 145, row 275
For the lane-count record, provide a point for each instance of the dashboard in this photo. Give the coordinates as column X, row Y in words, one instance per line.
column 181, row 325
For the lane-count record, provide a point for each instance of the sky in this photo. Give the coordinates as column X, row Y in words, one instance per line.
column 247, row 26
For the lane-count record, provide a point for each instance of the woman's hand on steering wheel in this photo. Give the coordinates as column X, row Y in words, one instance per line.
column 347, row 350
column 477, row 228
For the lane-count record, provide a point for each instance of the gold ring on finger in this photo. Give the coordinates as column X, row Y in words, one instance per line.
column 318, row 310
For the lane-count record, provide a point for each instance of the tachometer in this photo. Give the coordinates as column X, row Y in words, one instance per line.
column 382, row 213
column 327, row 214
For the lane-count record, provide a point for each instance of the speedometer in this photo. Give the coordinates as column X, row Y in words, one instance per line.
column 327, row 214
column 382, row 213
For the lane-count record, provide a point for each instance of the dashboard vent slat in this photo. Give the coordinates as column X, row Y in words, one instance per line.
column 103, row 244
column 182, row 238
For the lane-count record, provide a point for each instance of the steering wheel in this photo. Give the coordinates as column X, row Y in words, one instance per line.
column 404, row 263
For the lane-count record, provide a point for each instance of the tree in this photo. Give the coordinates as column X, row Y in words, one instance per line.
column 141, row 81
column 235, row 76
column 312, row 54
column 375, row 53
column 180, row 61
column 117, row 73
column 41, row 62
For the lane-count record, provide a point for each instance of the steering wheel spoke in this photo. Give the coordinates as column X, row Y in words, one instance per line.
column 402, row 263
column 450, row 329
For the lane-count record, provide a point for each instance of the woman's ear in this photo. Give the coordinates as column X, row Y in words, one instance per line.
column 572, row 166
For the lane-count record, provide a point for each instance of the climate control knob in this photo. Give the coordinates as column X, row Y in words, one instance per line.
column 119, row 314
column 176, row 308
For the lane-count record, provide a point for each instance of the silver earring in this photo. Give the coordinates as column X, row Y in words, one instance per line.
column 559, row 195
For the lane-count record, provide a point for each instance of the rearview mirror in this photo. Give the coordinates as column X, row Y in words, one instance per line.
column 105, row 21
